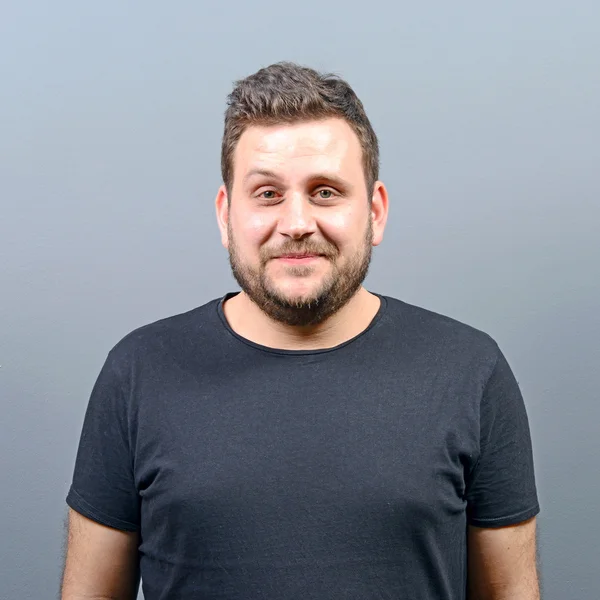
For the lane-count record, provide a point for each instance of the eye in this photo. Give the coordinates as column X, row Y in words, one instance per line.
column 325, row 194
column 268, row 195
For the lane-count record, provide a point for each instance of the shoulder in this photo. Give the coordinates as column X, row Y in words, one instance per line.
column 440, row 335
column 178, row 331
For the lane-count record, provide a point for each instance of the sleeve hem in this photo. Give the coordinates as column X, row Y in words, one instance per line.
column 77, row 503
column 513, row 519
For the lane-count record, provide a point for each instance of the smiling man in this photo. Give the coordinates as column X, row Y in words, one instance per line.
column 300, row 230
column 303, row 437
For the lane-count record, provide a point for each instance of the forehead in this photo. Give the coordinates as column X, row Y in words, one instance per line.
column 329, row 144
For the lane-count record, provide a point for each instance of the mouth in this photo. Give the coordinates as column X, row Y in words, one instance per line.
column 296, row 259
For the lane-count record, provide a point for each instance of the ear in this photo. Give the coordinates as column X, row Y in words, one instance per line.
column 379, row 211
column 222, row 207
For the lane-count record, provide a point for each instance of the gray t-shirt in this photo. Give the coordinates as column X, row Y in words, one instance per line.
column 350, row 472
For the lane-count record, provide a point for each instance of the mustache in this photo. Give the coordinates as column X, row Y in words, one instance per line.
column 325, row 250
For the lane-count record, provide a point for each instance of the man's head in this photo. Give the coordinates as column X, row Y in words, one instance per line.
column 301, row 205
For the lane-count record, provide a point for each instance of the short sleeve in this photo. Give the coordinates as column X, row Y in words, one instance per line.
column 103, row 487
column 501, row 489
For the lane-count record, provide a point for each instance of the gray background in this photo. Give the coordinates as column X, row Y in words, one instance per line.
column 110, row 122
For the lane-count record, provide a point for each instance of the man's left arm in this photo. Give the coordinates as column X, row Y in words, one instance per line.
column 503, row 562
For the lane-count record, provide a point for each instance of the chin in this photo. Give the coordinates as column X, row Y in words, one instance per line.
column 298, row 293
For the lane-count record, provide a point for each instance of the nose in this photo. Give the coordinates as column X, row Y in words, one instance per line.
column 296, row 219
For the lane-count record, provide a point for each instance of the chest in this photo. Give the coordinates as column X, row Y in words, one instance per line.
column 253, row 444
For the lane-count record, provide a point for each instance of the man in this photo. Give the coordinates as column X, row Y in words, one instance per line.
column 303, row 438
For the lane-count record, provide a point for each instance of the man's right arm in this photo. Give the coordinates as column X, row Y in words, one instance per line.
column 101, row 562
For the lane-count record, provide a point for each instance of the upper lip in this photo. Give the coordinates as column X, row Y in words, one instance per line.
column 298, row 255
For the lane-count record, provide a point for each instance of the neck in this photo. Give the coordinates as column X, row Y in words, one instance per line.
column 249, row 321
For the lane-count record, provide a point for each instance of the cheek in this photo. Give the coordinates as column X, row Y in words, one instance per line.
column 339, row 221
column 258, row 225
column 253, row 228
column 343, row 227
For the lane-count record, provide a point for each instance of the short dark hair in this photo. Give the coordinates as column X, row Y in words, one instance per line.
column 285, row 93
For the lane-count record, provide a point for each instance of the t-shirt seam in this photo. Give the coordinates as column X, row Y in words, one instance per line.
column 280, row 352
column 535, row 507
column 482, row 448
column 125, row 399
column 99, row 513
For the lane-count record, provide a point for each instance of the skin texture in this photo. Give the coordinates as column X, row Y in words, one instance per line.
column 502, row 563
column 101, row 562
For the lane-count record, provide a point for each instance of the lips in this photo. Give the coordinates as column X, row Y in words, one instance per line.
column 298, row 259
column 299, row 256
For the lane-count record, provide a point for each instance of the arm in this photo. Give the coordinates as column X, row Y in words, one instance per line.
column 101, row 562
column 502, row 562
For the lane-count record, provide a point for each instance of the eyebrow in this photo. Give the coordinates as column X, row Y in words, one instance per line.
column 324, row 177
column 263, row 172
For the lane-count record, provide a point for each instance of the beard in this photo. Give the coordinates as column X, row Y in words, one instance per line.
column 334, row 292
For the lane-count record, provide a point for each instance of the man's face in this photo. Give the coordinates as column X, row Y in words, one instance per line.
column 299, row 223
